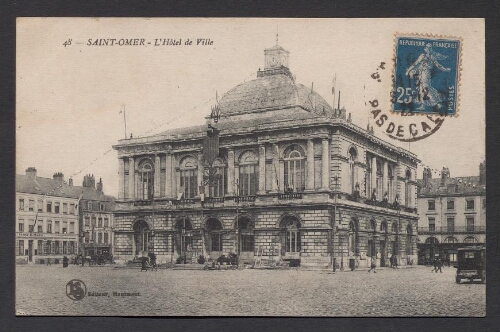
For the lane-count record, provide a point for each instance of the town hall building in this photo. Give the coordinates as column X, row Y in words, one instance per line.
column 294, row 179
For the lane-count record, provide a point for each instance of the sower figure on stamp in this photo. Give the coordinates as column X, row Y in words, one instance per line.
column 421, row 70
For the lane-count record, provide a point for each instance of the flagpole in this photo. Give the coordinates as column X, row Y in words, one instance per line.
column 125, row 121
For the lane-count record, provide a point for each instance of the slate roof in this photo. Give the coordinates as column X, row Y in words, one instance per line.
column 465, row 185
column 270, row 92
column 50, row 187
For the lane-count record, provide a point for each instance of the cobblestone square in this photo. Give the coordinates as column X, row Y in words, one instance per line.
column 41, row 290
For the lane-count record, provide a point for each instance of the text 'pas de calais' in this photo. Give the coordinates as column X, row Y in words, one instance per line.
column 148, row 42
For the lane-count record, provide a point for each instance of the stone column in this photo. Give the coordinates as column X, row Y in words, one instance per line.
column 275, row 170
column 310, row 165
column 131, row 179
column 201, row 172
column 325, row 164
column 374, row 177
column 230, row 172
column 281, row 172
column 385, row 178
column 121, row 171
column 156, row 183
column 168, row 173
column 262, row 169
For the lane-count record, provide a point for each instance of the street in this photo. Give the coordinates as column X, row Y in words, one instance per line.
column 416, row 291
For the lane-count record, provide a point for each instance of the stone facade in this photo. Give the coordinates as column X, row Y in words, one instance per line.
column 296, row 180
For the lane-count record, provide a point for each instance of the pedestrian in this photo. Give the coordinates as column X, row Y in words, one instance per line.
column 439, row 265
column 373, row 265
column 48, row 261
column 65, row 261
column 434, row 264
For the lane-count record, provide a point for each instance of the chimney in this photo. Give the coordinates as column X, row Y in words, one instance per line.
column 99, row 186
column 31, row 172
column 445, row 173
column 70, row 182
column 427, row 176
column 482, row 173
column 89, row 181
column 58, row 176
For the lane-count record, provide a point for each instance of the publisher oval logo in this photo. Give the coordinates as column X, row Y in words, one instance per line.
column 76, row 289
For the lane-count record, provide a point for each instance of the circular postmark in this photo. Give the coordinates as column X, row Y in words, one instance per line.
column 76, row 289
column 411, row 100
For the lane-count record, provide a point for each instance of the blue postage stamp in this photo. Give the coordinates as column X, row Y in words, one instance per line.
column 427, row 75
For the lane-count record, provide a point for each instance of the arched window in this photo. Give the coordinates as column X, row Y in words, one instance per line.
column 470, row 239
column 218, row 187
column 145, row 185
column 431, row 240
column 141, row 236
column 249, row 176
column 390, row 183
column 394, row 227
column 294, row 168
column 353, row 156
column 383, row 227
column 189, row 176
column 292, row 235
column 451, row 239
column 380, row 176
column 408, row 187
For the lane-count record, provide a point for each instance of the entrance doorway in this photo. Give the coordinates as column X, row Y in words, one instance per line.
column 246, row 239
column 142, row 237
column 213, row 238
column 30, row 251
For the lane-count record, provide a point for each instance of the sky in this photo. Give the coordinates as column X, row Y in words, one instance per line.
column 69, row 97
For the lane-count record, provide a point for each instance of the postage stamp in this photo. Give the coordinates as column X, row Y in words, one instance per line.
column 427, row 74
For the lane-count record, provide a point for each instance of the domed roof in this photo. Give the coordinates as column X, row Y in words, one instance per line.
column 271, row 91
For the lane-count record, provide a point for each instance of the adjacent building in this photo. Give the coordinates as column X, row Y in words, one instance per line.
column 452, row 214
column 294, row 179
column 46, row 218
column 96, row 219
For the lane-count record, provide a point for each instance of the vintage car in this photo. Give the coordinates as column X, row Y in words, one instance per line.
column 471, row 264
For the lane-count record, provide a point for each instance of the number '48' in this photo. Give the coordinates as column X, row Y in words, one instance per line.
column 406, row 93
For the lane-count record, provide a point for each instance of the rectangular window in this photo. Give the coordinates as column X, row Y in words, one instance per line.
column 57, row 247
column 431, row 205
column 294, row 175
column 87, row 237
column 106, row 222
column 216, row 242
column 369, row 249
column 21, row 226
column 106, row 235
column 72, row 228
column 46, row 248
column 470, row 224
column 450, row 224
column 65, row 227
column 72, row 208
column 65, row 247
column 49, row 226
column 56, row 207
column 32, row 205
column 450, row 205
column 40, row 205
column 248, row 180
column 21, row 204
column 470, row 204
column 40, row 247
column 31, row 228
column 21, row 247
column 189, row 182
column 219, row 187
column 432, row 224
column 89, row 206
column 93, row 221
column 49, row 207
column 65, row 208
column 99, row 237
column 99, row 222
column 56, row 227
column 87, row 221
column 247, row 243
column 53, row 247
column 40, row 229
